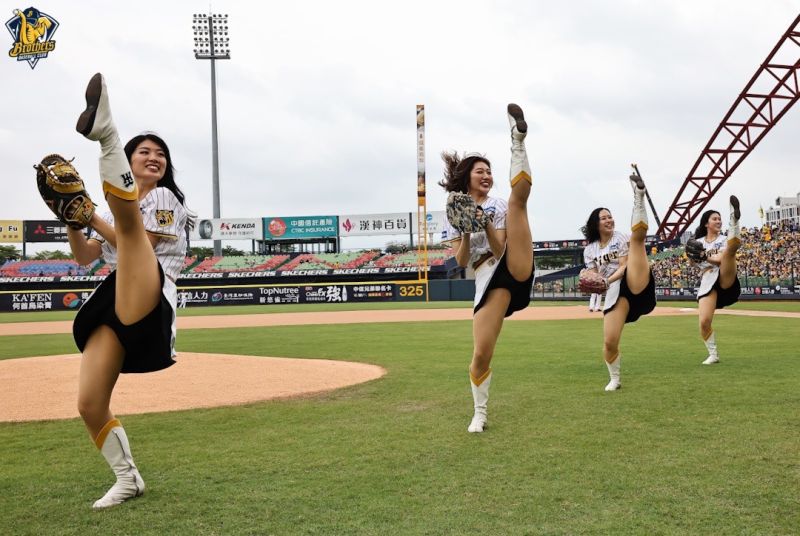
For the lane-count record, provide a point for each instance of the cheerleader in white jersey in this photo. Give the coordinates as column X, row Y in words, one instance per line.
column 128, row 324
column 715, row 255
column 501, row 255
column 622, row 261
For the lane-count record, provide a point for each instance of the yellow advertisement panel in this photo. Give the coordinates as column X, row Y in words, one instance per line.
column 10, row 231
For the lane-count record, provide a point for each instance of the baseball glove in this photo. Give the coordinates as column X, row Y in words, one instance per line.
column 695, row 250
column 62, row 190
column 591, row 282
column 464, row 215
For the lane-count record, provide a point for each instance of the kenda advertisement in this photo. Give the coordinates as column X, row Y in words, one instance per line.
column 228, row 229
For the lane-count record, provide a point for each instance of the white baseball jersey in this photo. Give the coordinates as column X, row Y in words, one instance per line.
column 606, row 259
column 478, row 242
column 717, row 245
column 164, row 216
column 709, row 273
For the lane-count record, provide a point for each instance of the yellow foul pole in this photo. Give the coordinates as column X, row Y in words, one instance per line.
column 422, row 208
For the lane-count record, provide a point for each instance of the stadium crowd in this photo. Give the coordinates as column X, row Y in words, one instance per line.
column 768, row 256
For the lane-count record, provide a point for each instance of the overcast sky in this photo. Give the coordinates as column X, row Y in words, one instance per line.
column 317, row 104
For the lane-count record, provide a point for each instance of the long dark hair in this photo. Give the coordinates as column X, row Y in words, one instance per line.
column 702, row 230
column 168, row 180
column 457, row 170
column 592, row 228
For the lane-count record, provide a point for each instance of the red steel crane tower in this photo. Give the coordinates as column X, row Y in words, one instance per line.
column 765, row 99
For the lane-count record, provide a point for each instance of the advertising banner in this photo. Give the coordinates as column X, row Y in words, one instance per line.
column 228, row 229
column 561, row 244
column 374, row 224
column 688, row 293
column 435, row 222
column 321, row 272
column 10, row 231
column 281, row 294
column 421, row 155
column 43, row 301
column 45, row 231
column 300, row 227
column 274, row 294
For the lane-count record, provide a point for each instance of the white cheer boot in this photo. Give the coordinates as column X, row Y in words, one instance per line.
column 520, row 169
column 711, row 345
column 480, row 397
column 734, row 231
column 613, row 373
column 96, row 123
column 639, row 213
column 113, row 443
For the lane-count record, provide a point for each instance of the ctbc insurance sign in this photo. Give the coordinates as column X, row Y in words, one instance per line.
column 299, row 227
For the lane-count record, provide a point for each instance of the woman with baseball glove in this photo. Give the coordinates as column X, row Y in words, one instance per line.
column 128, row 323
column 617, row 265
column 492, row 237
column 715, row 255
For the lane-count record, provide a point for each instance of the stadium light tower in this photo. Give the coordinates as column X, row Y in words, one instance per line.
column 211, row 43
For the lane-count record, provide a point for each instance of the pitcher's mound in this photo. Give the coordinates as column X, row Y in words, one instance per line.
column 41, row 388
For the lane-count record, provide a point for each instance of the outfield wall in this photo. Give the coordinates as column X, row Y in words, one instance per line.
column 193, row 294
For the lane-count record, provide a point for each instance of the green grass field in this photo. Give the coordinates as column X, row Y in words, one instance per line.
column 681, row 449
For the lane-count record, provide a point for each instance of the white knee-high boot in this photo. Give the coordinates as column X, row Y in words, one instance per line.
column 639, row 213
column 734, row 231
column 711, row 345
column 113, row 444
column 614, row 373
column 480, row 398
column 520, row 168
column 96, row 124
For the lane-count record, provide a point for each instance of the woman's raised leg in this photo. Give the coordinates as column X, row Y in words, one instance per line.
column 637, row 273
column 138, row 286
column 519, row 245
column 727, row 266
